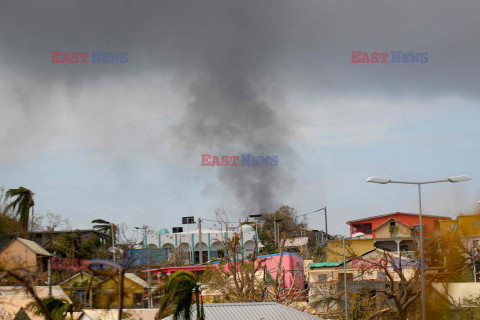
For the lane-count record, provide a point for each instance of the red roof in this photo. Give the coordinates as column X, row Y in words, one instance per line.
column 394, row 213
column 172, row 270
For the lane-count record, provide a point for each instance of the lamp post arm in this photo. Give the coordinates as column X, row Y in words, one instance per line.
column 421, row 182
column 345, row 279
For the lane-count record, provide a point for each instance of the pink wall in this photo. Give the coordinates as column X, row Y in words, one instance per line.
column 291, row 266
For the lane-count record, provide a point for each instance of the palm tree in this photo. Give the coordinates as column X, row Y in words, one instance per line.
column 21, row 205
column 178, row 295
column 105, row 227
column 58, row 308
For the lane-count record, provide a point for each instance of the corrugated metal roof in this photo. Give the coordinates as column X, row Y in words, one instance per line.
column 136, row 279
column 324, row 264
column 35, row 247
column 42, row 292
column 251, row 311
column 296, row 242
column 110, row 314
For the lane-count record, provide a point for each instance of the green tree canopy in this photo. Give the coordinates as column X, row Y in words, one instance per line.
column 289, row 225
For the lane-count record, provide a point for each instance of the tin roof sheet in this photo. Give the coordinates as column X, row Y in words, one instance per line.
column 252, row 311
column 324, row 264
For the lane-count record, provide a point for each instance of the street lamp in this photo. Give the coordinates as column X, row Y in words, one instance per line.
column 326, row 225
column 422, row 269
column 355, row 235
column 255, row 216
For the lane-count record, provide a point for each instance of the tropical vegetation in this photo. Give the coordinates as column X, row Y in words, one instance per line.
column 177, row 297
column 21, row 205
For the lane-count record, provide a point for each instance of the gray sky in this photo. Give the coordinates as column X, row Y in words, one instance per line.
column 123, row 141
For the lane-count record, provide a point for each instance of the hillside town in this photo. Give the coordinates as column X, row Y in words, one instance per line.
column 266, row 263
column 239, row 160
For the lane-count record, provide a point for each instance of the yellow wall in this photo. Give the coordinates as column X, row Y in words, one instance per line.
column 468, row 225
column 16, row 254
column 77, row 284
column 354, row 248
column 106, row 293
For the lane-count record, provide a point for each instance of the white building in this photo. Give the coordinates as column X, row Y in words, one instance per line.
column 212, row 242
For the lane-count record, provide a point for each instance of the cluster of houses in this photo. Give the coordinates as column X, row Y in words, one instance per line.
column 391, row 235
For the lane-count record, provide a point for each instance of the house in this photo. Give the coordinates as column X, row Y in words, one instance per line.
column 396, row 231
column 23, row 253
column 366, row 267
column 465, row 226
column 290, row 264
column 106, row 292
column 251, row 311
column 80, row 287
column 365, row 274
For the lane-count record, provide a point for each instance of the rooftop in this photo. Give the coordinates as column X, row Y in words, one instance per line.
column 394, row 213
column 35, row 247
column 324, row 264
column 252, row 311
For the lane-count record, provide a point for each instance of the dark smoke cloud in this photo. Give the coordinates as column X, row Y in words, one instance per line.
column 227, row 117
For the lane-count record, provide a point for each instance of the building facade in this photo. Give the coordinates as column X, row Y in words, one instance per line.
column 396, row 231
column 212, row 242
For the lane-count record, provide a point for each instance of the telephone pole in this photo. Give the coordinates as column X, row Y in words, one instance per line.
column 200, row 255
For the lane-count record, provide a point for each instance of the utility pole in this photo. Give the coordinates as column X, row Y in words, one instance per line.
column 326, row 225
column 149, row 286
column 200, row 255
column 49, row 276
column 277, row 233
column 275, row 229
column 112, row 226
column 120, row 291
column 265, row 280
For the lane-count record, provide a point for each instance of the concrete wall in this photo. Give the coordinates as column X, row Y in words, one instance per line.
column 458, row 291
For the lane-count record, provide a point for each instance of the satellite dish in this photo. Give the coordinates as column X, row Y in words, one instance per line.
column 115, row 250
column 358, row 235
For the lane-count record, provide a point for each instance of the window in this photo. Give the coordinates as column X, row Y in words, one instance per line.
column 392, row 223
column 417, row 227
column 137, row 297
column 322, row 277
column 349, row 277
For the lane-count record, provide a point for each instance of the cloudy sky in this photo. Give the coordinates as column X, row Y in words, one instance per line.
column 123, row 141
